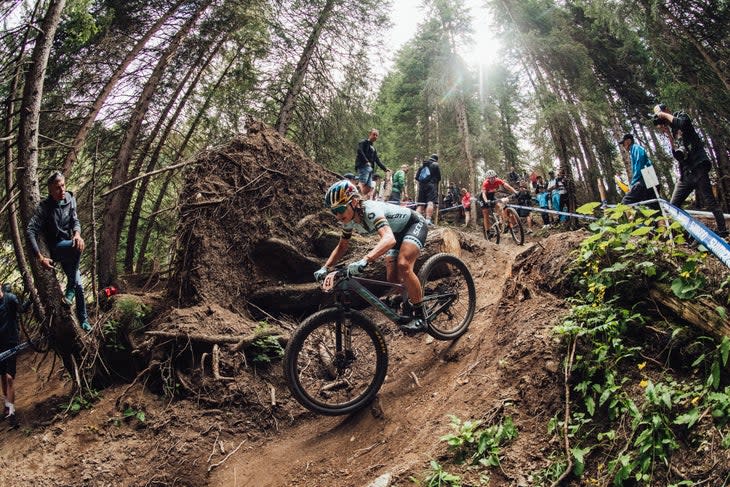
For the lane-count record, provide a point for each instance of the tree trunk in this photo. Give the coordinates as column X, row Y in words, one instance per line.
column 10, row 171
column 63, row 334
column 107, row 89
column 700, row 312
column 178, row 155
column 295, row 83
column 154, row 158
column 686, row 34
column 117, row 203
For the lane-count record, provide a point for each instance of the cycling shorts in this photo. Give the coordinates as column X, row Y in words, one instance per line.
column 490, row 201
column 414, row 232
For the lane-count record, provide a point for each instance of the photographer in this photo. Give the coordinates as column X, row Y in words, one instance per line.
column 694, row 164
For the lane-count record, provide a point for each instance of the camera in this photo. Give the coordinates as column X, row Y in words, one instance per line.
column 679, row 154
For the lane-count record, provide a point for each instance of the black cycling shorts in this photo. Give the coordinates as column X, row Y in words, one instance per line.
column 490, row 201
column 415, row 232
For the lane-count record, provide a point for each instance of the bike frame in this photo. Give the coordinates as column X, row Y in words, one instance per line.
column 355, row 284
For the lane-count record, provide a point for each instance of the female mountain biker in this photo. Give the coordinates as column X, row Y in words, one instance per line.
column 491, row 184
column 402, row 235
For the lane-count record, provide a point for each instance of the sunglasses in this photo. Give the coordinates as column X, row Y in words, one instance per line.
column 338, row 210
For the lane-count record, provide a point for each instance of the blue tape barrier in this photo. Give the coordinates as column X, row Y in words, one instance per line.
column 699, row 232
column 553, row 212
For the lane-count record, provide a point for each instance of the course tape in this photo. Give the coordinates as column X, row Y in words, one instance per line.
column 17, row 348
column 697, row 229
column 699, row 232
column 553, row 212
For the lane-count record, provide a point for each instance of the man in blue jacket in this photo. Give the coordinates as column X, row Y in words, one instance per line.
column 638, row 191
column 56, row 221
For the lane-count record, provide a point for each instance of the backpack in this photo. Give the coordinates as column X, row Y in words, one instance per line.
column 424, row 175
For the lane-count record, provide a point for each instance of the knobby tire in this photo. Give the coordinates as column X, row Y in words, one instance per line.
column 332, row 383
column 449, row 296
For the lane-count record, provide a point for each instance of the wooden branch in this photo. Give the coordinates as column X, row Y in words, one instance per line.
column 195, row 337
column 216, row 364
column 700, row 313
column 146, row 175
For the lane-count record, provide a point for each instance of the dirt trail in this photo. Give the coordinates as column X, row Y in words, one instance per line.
column 180, row 440
column 400, row 432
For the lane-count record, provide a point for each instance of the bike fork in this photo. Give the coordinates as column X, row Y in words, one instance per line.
column 343, row 337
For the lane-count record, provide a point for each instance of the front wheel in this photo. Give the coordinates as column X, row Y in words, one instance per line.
column 335, row 362
column 492, row 230
column 449, row 296
column 514, row 224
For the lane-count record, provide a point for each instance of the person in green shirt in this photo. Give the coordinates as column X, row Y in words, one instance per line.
column 399, row 185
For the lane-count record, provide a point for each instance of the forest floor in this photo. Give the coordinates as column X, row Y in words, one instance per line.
column 504, row 366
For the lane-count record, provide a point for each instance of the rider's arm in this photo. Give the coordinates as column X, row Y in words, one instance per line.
column 387, row 241
column 506, row 185
column 338, row 252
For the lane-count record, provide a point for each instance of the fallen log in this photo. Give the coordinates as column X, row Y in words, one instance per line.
column 240, row 341
column 699, row 312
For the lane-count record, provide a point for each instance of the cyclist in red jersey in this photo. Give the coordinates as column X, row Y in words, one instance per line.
column 487, row 199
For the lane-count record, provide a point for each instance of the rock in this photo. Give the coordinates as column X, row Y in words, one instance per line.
column 382, row 481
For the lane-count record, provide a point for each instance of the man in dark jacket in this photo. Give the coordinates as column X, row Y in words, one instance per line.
column 365, row 161
column 56, row 221
column 428, row 177
column 694, row 164
column 9, row 309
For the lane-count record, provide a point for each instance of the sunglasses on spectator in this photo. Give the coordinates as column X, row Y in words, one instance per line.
column 338, row 210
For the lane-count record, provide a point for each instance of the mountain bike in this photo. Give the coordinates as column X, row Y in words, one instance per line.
column 504, row 219
column 336, row 361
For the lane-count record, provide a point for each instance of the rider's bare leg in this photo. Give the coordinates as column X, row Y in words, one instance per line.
column 407, row 256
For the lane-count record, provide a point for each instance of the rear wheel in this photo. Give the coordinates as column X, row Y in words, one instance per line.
column 515, row 226
column 449, row 296
column 335, row 363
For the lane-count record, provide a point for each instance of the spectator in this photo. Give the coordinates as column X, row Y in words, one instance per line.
column 466, row 204
column 428, row 177
column 638, row 192
column 9, row 336
column 55, row 219
column 556, row 186
column 513, row 177
column 399, row 185
column 542, row 197
column 694, row 164
column 524, row 198
column 365, row 161
column 376, row 192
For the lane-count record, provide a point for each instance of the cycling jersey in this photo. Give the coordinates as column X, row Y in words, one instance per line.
column 492, row 186
column 405, row 223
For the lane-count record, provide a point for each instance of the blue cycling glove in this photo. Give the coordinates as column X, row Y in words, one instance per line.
column 320, row 274
column 355, row 268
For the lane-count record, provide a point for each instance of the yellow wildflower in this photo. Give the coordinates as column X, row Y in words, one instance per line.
column 642, row 365
column 644, row 383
